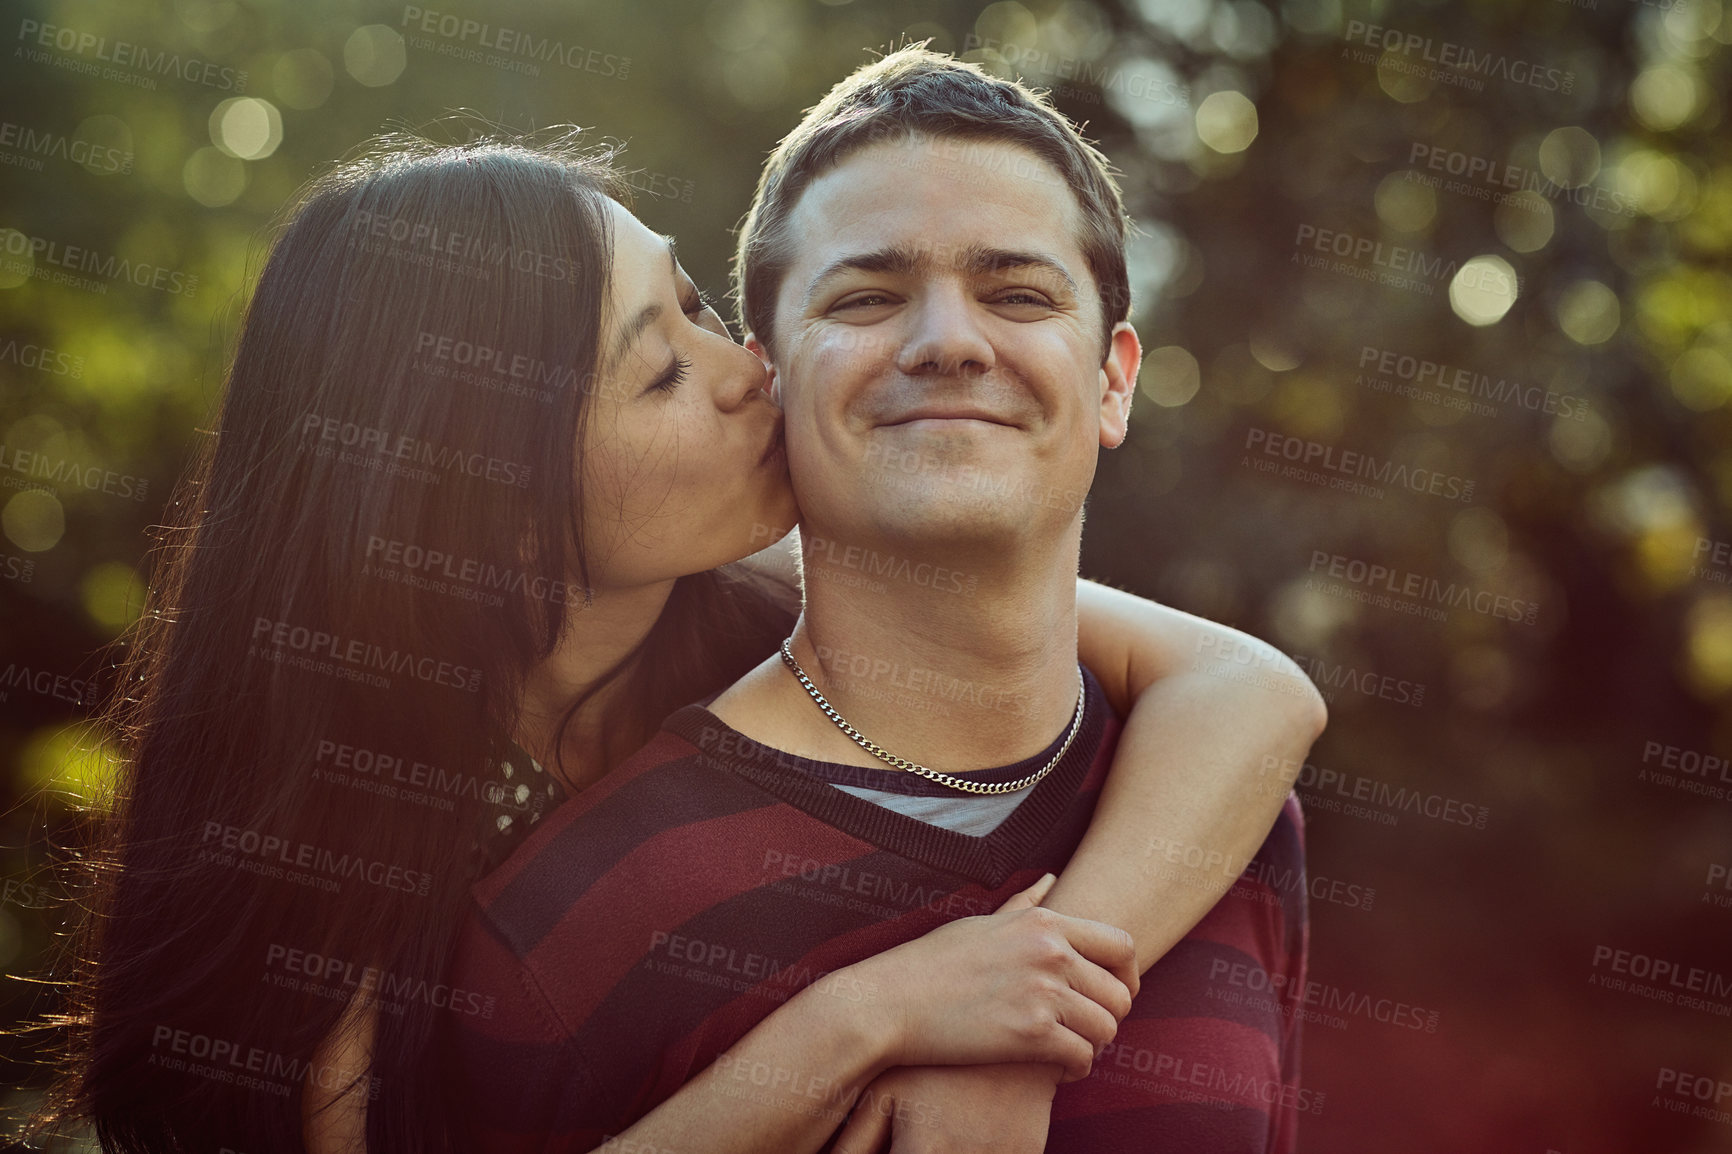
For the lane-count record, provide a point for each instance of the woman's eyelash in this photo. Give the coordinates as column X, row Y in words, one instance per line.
column 672, row 378
column 698, row 303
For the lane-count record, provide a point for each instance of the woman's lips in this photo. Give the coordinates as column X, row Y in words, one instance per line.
column 775, row 449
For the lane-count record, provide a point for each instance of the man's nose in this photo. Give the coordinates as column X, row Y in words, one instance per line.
column 946, row 338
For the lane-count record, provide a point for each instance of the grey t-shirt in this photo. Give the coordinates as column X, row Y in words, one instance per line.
column 971, row 813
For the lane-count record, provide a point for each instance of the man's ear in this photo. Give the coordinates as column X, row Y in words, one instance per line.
column 1118, row 383
column 773, row 382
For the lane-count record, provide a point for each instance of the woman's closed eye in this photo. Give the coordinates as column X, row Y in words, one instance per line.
column 671, row 377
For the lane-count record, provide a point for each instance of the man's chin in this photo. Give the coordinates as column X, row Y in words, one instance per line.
column 940, row 512
column 964, row 457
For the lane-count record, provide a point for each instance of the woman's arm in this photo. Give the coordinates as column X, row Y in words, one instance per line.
column 1193, row 789
column 1024, row 984
column 1004, row 984
column 1191, row 795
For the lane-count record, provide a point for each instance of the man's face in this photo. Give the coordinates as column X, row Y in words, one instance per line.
column 939, row 351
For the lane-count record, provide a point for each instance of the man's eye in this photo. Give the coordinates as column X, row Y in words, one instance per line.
column 865, row 300
column 1022, row 297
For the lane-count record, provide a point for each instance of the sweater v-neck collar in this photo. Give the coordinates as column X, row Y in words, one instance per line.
column 989, row 859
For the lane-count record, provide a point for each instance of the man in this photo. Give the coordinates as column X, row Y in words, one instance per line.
column 934, row 269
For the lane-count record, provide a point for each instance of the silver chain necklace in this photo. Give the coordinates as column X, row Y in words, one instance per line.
column 902, row 763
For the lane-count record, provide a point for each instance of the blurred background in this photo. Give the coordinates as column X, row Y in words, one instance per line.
column 1439, row 311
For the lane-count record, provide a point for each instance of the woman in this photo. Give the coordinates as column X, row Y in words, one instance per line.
column 438, row 542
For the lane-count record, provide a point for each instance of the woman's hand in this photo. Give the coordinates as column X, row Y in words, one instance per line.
column 979, row 995
column 1023, row 984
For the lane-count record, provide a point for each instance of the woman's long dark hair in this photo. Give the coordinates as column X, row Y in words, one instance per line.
column 375, row 547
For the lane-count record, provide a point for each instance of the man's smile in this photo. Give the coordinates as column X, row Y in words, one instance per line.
column 932, row 414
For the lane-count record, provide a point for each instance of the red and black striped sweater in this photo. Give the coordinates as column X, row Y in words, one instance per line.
column 648, row 923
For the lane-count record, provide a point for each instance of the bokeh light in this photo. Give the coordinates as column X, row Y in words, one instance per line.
column 374, row 54
column 246, row 127
column 1170, row 376
column 33, row 520
column 113, row 595
column 73, row 760
column 1701, row 378
column 1589, row 312
column 1483, row 290
column 213, row 177
column 1525, row 221
column 110, row 144
column 303, row 78
column 1227, row 121
column 1570, row 157
column 1404, row 203
column 1666, row 96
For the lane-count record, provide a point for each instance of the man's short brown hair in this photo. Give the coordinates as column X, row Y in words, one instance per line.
column 915, row 92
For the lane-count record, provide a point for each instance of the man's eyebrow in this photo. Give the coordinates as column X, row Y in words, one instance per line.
column 891, row 258
column 643, row 320
column 974, row 260
column 977, row 260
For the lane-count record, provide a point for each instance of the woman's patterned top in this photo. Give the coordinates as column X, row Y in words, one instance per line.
column 520, row 795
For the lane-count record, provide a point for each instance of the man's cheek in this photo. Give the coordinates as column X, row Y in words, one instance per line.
column 808, row 469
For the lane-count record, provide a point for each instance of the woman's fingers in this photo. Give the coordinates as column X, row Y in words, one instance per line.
column 1084, row 1017
column 1032, row 896
column 1101, row 943
column 1106, row 946
column 1101, row 987
column 1072, row 1051
column 1024, row 984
